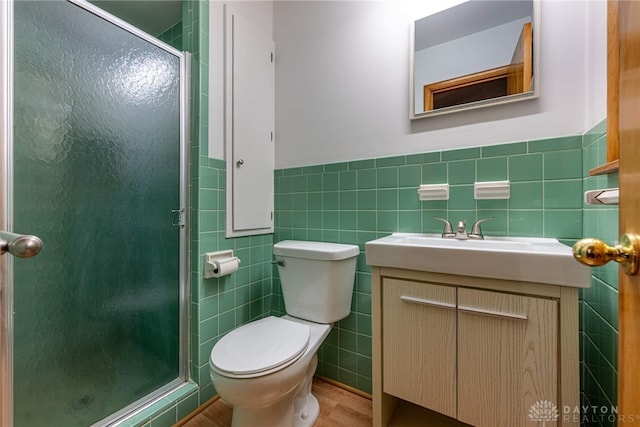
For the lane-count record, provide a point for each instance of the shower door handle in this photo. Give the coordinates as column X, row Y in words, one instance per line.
column 20, row 245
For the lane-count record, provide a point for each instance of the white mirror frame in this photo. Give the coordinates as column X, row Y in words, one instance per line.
column 487, row 102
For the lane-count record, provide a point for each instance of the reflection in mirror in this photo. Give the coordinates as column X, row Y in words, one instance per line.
column 477, row 53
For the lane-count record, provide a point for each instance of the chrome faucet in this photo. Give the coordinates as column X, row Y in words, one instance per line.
column 447, row 233
column 476, row 231
column 461, row 229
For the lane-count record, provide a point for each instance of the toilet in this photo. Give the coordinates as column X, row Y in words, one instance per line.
column 264, row 369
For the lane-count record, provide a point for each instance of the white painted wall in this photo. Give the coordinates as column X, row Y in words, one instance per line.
column 342, row 90
column 595, row 35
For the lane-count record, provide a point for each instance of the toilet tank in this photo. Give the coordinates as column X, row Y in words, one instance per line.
column 316, row 278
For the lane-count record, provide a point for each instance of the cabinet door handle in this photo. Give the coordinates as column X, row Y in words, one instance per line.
column 427, row 302
column 484, row 312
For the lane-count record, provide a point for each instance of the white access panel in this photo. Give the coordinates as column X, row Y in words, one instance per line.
column 249, row 124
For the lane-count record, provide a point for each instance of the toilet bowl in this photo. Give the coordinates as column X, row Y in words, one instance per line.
column 257, row 382
column 264, row 369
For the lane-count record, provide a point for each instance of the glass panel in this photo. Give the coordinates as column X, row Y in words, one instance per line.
column 96, row 176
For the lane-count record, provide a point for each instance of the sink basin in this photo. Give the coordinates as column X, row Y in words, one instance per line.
column 538, row 260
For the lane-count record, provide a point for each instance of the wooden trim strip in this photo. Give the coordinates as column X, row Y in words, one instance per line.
column 527, row 49
column 613, row 80
column 344, row 386
column 610, row 167
column 197, row 411
column 472, row 79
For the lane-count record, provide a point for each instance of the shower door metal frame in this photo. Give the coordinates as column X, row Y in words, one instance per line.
column 6, row 214
column 6, row 182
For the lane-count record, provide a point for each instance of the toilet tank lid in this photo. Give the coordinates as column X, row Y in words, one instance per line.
column 315, row 250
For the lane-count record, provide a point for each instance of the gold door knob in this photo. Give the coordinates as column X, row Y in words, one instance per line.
column 595, row 252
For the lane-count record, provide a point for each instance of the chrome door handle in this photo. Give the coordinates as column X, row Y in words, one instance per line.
column 494, row 313
column 20, row 245
column 429, row 302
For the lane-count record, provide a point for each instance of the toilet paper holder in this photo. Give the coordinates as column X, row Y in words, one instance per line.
column 214, row 260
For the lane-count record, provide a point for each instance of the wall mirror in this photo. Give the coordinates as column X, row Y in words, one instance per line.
column 475, row 54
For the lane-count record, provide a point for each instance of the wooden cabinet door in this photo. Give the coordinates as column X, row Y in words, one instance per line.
column 419, row 344
column 507, row 359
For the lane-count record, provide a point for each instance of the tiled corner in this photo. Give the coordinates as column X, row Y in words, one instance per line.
column 173, row 36
column 217, row 305
column 599, row 321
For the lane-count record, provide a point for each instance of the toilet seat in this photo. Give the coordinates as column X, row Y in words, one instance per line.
column 260, row 348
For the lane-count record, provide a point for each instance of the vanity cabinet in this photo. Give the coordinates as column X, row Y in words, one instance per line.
column 420, row 332
column 483, row 352
column 507, row 352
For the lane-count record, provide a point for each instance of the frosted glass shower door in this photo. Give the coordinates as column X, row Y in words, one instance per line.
column 96, row 173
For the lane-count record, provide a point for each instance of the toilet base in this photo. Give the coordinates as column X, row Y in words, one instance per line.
column 278, row 415
column 308, row 416
column 299, row 408
column 306, row 407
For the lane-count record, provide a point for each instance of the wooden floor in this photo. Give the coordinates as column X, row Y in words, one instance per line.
column 338, row 408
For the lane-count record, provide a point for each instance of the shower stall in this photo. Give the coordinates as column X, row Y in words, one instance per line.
column 93, row 162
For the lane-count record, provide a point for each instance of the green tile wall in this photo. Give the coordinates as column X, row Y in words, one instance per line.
column 217, row 305
column 173, row 36
column 353, row 202
column 599, row 304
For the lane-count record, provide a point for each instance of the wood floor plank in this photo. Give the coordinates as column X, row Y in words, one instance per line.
column 344, row 416
column 338, row 408
column 339, row 400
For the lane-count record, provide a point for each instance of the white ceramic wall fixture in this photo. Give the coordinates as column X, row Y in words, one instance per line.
column 539, row 260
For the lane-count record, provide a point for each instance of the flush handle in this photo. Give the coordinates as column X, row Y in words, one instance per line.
column 594, row 252
column 279, row 262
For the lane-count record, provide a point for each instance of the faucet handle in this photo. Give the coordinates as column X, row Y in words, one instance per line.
column 476, row 231
column 448, row 230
